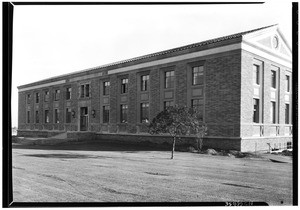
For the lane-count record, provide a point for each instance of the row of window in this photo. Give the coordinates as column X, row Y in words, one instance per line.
column 272, row 112
column 144, row 112
column 257, row 80
column 197, row 79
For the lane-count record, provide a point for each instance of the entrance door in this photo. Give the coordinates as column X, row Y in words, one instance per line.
column 83, row 119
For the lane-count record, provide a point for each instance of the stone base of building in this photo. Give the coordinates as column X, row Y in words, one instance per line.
column 265, row 144
column 258, row 144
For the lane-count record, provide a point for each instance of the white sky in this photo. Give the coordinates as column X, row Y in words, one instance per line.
column 54, row 40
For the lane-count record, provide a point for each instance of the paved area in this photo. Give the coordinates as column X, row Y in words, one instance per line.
column 110, row 173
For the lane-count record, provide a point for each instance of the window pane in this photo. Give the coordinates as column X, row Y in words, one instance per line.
column 46, row 116
column 144, row 112
column 169, row 79
column 28, row 116
column 37, row 119
column 256, row 74
column 46, row 96
column 256, row 110
column 273, row 79
column 287, row 114
column 287, row 83
column 273, row 112
column 144, row 82
column 124, row 109
column 87, row 90
column 105, row 114
column 82, row 91
column 197, row 74
column 68, row 93
column 68, row 115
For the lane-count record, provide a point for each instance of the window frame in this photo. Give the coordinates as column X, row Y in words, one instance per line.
column 56, row 116
column 256, row 112
column 145, row 82
column 37, row 117
column 273, row 79
column 68, row 93
column 169, row 80
column 144, row 112
column 105, row 114
column 57, row 95
column 124, row 85
column 256, row 74
column 106, row 88
column 124, row 113
column 198, row 74
column 168, row 102
column 68, row 115
column 46, row 95
column 46, row 116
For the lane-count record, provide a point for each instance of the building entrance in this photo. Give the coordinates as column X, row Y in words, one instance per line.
column 83, row 119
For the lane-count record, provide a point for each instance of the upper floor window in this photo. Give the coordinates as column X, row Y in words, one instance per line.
column 287, row 83
column 56, row 95
column 84, row 90
column 28, row 98
column 124, row 112
column 273, row 79
column 168, row 104
column 144, row 82
column 144, row 112
column 37, row 97
column 256, row 74
column 106, row 86
column 124, row 85
column 197, row 75
column 169, row 79
column 68, row 93
column 46, row 99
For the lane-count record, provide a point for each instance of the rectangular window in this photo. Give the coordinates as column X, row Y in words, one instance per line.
column 124, row 85
column 273, row 112
column 124, row 111
column 168, row 104
column 56, row 116
column 256, row 110
column 198, row 105
column 68, row 93
column 144, row 112
column 87, row 90
column 46, row 99
column 273, row 79
column 28, row 116
column 47, row 116
column 28, row 98
column 198, row 75
column 37, row 117
column 144, row 82
column 56, row 95
column 37, row 98
column 106, row 86
column 256, row 74
column 289, row 145
column 106, row 114
column 68, row 115
column 169, row 79
column 82, row 91
column 287, row 114
column 287, row 83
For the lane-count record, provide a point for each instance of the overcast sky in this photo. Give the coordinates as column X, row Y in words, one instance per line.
column 54, row 40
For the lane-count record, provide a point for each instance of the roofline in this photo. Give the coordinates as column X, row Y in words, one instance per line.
column 169, row 51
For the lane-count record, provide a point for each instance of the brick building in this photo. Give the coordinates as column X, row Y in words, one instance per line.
column 241, row 82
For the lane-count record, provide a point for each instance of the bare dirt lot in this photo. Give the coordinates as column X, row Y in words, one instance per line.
column 103, row 173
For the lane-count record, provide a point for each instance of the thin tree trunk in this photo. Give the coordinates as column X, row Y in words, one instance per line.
column 173, row 149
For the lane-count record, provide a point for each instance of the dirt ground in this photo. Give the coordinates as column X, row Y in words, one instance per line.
column 110, row 173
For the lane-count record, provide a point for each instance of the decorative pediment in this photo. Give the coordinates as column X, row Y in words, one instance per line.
column 270, row 40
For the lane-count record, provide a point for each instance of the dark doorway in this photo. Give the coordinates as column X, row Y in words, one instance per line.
column 83, row 119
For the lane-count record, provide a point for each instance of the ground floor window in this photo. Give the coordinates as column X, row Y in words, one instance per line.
column 168, row 104
column 105, row 114
column 46, row 116
column 56, row 116
column 256, row 110
column 68, row 115
column 289, row 145
column 28, row 116
column 124, row 112
column 144, row 112
column 287, row 114
column 273, row 112
column 37, row 118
